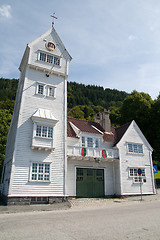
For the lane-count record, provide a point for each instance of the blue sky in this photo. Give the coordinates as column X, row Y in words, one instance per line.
column 113, row 43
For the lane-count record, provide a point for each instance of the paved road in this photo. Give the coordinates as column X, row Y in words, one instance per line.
column 125, row 220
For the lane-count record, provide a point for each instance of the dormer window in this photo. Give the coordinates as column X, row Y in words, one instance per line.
column 43, row 126
column 83, row 141
column 96, row 143
column 44, row 131
column 44, row 57
column 89, row 142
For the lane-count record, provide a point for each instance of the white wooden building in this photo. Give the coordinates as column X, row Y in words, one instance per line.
column 36, row 160
column 42, row 163
column 111, row 160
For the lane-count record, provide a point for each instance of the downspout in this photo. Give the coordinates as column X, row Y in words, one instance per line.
column 120, row 173
column 65, row 129
column 113, row 169
column 152, row 174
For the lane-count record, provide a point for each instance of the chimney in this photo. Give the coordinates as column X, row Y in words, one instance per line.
column 103, row 119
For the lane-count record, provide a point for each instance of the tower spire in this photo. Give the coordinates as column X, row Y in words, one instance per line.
column 53, row 16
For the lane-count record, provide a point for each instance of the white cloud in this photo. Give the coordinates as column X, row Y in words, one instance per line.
column 132, row 37
column 5, row 11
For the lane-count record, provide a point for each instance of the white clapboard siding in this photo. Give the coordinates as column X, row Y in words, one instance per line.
column 134, row 135
column 19, row 147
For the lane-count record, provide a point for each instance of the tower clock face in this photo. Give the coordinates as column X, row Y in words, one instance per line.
column 50, row 46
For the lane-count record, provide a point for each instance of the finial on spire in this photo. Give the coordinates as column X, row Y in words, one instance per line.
column 53, row 18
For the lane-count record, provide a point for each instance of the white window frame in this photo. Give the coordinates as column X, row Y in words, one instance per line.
column 37, row 89
column 133, row 173
column 42, row 56
column 46, row 90
column 56, row 61
column 134, row 148
column 44, row 131
column 49, row 58
column 39, row 172
column 96, row 143
column 83, row 139
column 51, row 88
column 89, row 142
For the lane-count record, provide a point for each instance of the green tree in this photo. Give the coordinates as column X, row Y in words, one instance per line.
column 76, row 112
column 5, row 119
column 115, row 116
column 155, row 131
column 137, row 106
column 8, row 105
column 8, row 88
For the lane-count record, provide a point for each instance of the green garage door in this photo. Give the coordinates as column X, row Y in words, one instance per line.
column 90, row 182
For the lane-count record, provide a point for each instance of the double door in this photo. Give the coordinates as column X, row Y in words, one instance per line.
column 89, row 182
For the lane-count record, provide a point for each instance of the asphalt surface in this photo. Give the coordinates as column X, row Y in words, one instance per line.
column 87, row 219
column 79, row 203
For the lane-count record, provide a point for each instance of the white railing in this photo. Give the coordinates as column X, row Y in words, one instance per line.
column 91, row 152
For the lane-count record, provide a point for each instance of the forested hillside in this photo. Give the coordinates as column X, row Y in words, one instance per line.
column 80, row 94
column 84, row 101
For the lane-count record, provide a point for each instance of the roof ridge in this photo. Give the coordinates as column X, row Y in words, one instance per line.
column 128, row 123
column 81, row 119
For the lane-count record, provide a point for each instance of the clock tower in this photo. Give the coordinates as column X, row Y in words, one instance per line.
column 36, row 160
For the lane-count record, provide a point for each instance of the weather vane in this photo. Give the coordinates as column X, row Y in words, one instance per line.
column 53, row 18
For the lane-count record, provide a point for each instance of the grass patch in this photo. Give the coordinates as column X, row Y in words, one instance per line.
column 157, row 175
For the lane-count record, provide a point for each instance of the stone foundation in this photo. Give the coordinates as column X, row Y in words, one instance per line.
column 28, row 200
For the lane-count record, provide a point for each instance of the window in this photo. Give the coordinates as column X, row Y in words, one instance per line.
column 45, row 90
column 133, row 172
column 89, row 172
column 99, row 174
column 83, row 141
column 40, row 89
column 89, row 142
column 49, row 59
column 44, row 57
column 138, row 179
column 51, row 91
column 80, row 174
column 40, row 172
column 38, row 131
column 39, row 199
column 57, row 61
column 50, row 132
column 135, row 148
column 96, row 143
column 44, row 131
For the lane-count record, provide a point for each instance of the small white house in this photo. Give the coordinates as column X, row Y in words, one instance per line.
column 48, row 157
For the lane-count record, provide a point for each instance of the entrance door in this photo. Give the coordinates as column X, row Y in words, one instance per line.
column 90, row 182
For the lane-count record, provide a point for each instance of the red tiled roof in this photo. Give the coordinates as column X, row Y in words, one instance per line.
column 86, row 126
column 70, row 131
column 109, row 137
column 83, row 126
